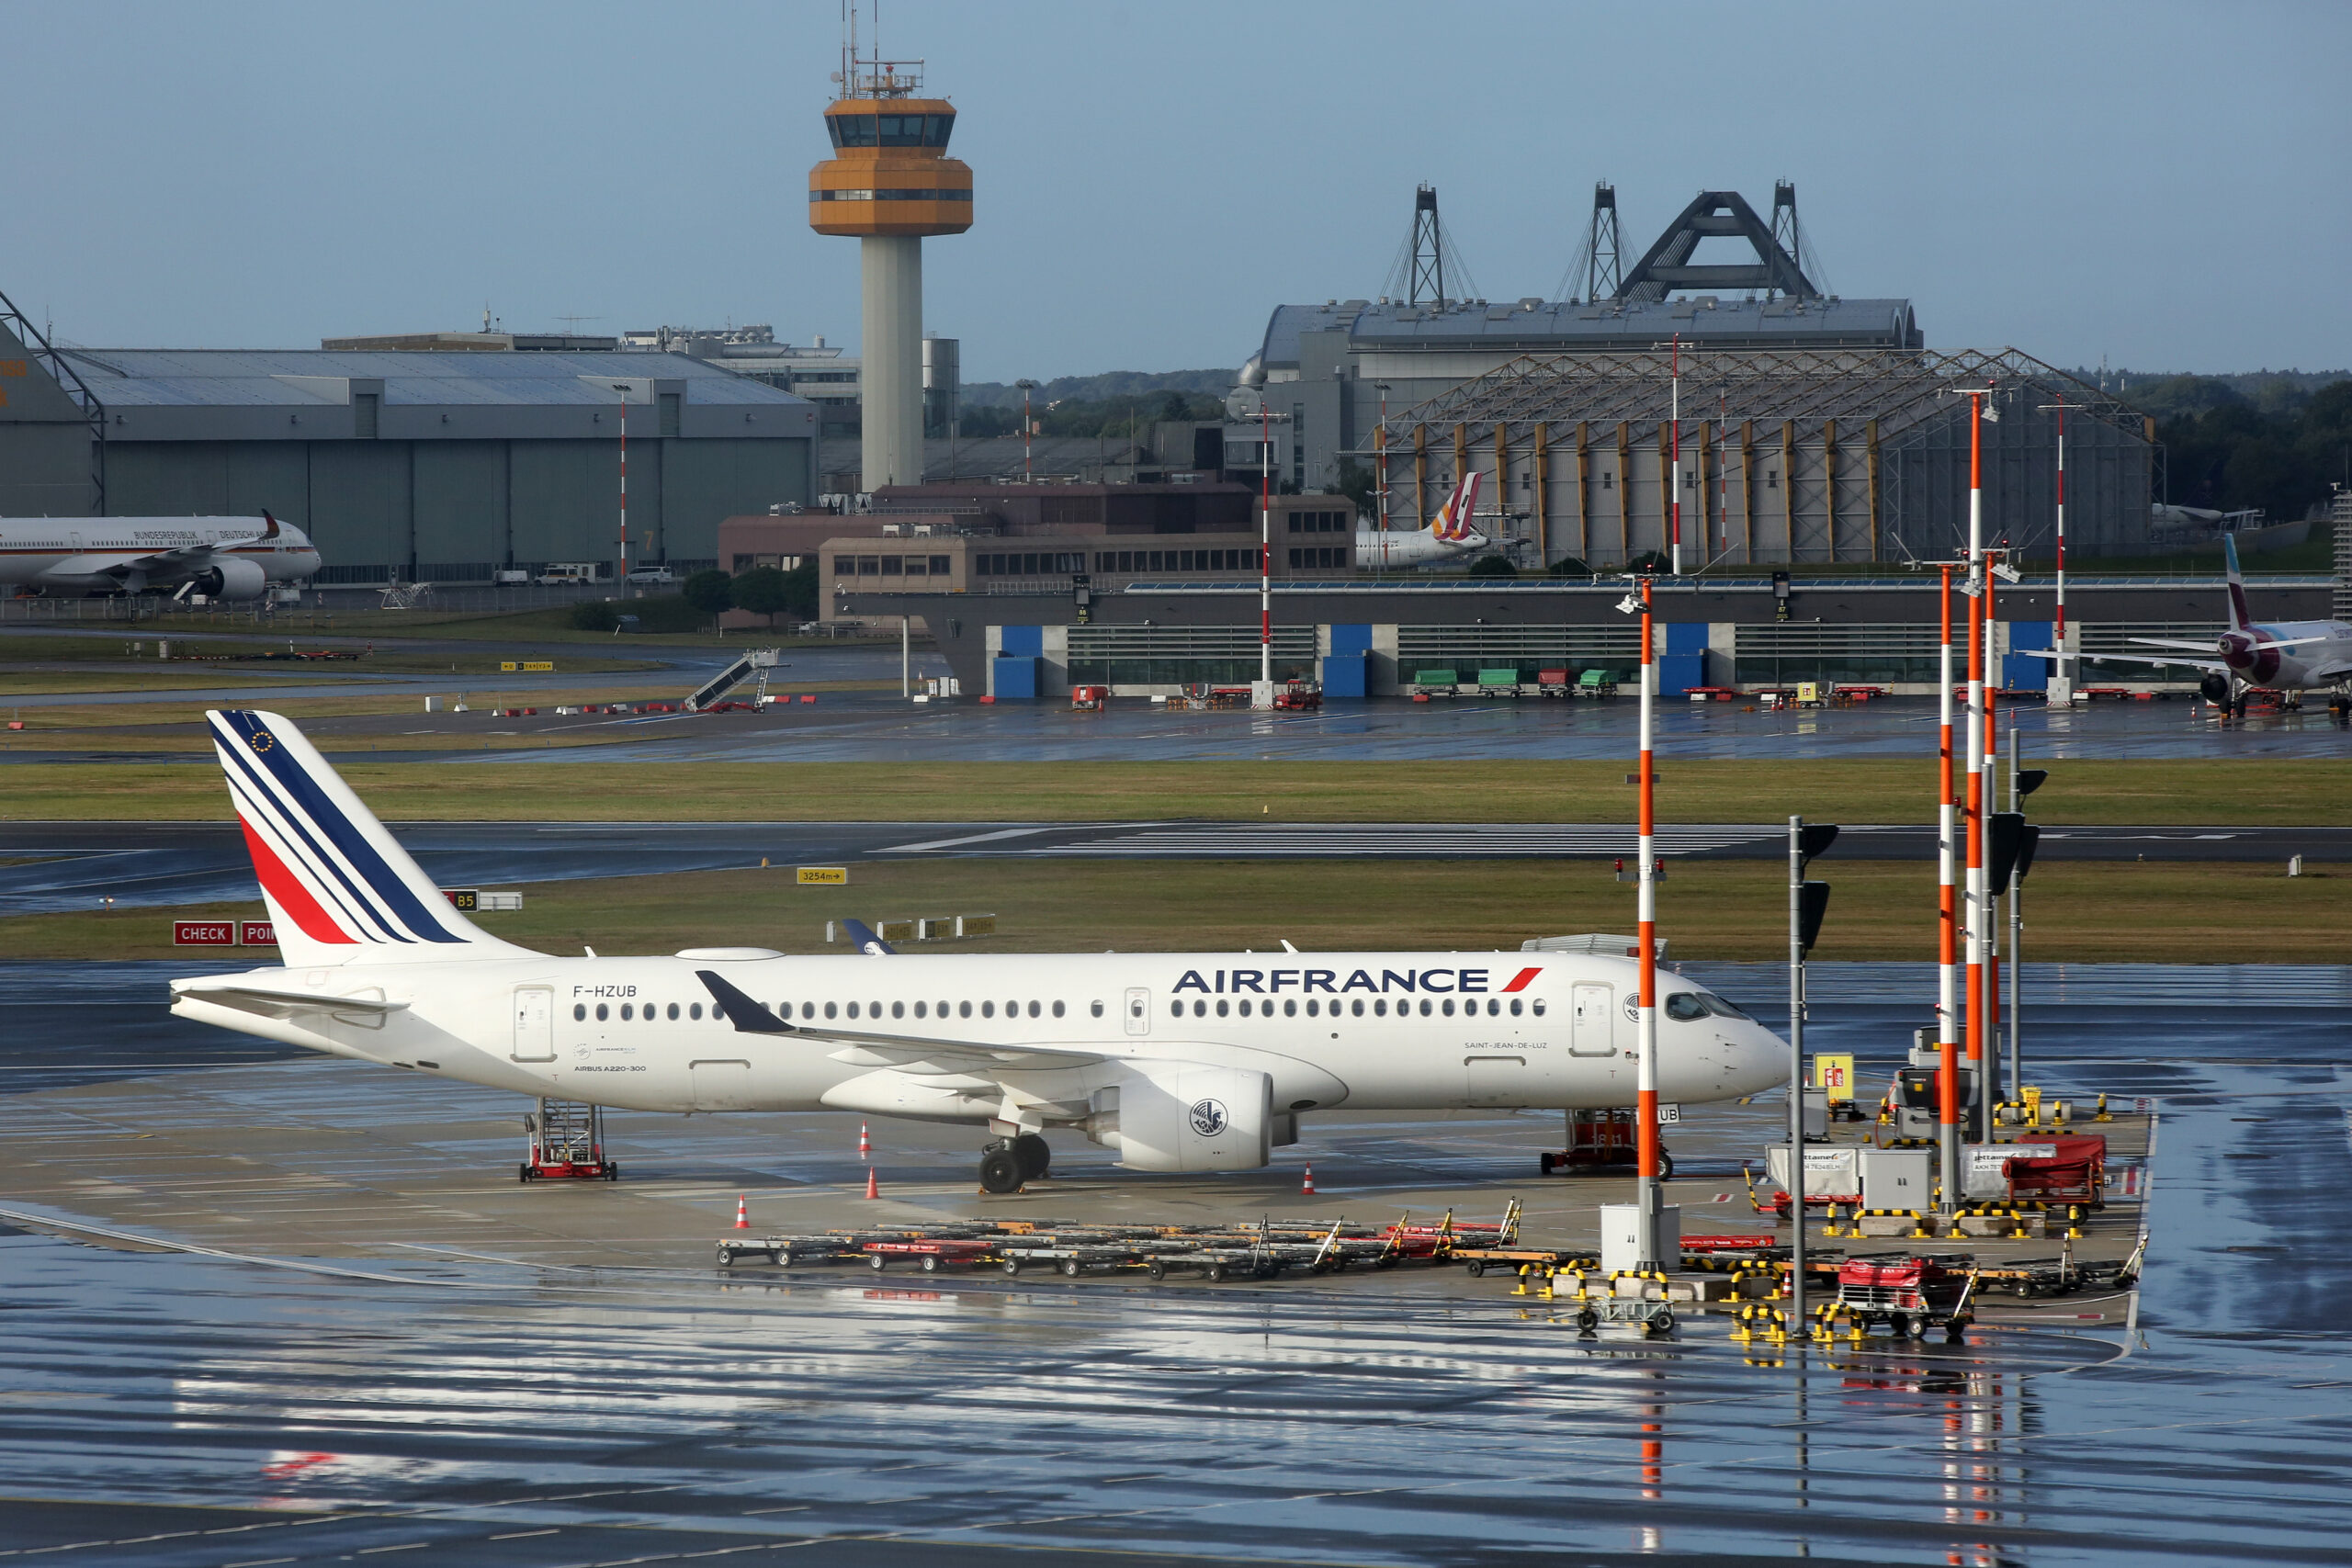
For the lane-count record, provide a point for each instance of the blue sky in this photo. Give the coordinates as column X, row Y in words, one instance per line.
column 2162, row 185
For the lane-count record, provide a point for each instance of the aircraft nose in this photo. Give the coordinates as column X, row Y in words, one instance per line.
column 1763, row 1060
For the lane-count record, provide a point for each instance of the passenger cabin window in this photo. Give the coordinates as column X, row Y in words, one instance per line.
column 695, row 1012
column 829, row 1009
column 579, row 1012
column 673, row 1011
column 898, row 1010
column 918, row 1009
column 1058, row 1009
column 1538, row 1006
column 1095, row 1009
column 988, row 1010
column 627, row 1012
column 963, row 1009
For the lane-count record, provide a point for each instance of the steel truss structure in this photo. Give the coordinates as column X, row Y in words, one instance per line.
column 1802, row 456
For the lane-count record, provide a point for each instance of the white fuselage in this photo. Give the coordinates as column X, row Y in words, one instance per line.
column 1379, row 548
column 83, row 555
column 1365, row 1031
column 2322, row 649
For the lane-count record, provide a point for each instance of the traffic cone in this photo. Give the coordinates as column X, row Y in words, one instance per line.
column 743, row 1215
column 1307, row 1186
column 864, row 1144
column 873, row 1186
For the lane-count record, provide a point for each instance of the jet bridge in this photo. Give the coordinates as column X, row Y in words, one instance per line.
column 756, row 661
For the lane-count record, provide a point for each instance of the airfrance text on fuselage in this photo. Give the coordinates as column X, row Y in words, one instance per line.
column 1274, row 981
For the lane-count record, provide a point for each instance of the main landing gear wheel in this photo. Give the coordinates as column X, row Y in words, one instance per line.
column 1665, row 1165
column 1036, row 1155
column 1001, row 1169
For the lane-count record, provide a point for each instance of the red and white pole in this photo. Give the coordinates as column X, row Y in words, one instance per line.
column 1647, row 1197
column 1674, row 484
column 1265, row 546
column 1947, row 936
column 2062, row 685
column 1979, row 585
column 622, row 580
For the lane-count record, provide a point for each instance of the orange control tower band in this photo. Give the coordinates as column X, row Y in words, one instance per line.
column 890, row 183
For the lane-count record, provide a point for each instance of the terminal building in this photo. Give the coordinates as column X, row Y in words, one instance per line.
column 434, row 464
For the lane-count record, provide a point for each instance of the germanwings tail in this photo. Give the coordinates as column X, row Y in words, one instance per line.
column 1453, row 521
column 339, row 887
column 2240, row 618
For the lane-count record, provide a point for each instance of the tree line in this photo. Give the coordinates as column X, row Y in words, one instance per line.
column 2279, row 449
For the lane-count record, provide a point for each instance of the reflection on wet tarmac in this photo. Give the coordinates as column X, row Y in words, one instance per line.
column 483, row 1413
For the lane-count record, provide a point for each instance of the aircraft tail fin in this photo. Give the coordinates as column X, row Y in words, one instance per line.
column 339, row 887
column 2240, row 616
column 1453, row 523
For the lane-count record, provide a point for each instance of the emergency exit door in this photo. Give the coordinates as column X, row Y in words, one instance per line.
column 1592, row 1026
column 533, row 1024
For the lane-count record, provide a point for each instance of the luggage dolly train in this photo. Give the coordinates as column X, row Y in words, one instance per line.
column 1261, row 1251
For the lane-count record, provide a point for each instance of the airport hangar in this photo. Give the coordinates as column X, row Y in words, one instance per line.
column 1831, row 457
column 411, row 466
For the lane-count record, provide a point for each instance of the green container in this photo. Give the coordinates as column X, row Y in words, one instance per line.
column 1596, row 678
column 1499, row 677
column 1435, row 677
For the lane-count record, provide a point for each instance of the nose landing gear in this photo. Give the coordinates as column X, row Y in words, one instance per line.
column 1008, row 1163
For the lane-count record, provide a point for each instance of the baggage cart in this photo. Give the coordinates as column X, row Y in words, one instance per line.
column 929, row 1254
column 1906, row 1292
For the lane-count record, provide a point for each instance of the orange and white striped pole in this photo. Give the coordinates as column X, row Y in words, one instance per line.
column 1947, row 936
column 1974, row 893
column 1989, row 751
column 1648, row 1202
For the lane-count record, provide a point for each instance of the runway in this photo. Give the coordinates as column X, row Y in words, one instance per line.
column 413, row 1360
column 135, row 864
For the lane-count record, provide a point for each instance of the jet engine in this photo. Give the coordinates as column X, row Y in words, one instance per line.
column 1181, row 1116
column 2216, row 687
column 231, row 579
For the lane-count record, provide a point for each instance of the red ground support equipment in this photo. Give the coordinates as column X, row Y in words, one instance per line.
column 1552, row 682
column 1298, row 695
column 567, row 1144
column 1599, row 1138
column 2074, row 1172
column 930, row 1255
column 1091, row 698
column 1909, row 1294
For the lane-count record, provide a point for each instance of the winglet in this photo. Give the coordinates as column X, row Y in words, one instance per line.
column 2240, row 616
column 271, row 531
column 862, row 937
column 748, row 1016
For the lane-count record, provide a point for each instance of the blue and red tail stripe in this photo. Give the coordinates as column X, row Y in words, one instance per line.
column 317, row 863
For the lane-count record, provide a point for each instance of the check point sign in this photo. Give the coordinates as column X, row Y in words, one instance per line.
column 223, row 933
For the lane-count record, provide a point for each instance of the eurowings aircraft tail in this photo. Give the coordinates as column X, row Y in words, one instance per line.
column 339, row 887
column 2240, row 618
column 1453, row 523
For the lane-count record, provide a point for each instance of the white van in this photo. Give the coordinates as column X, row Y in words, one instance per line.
column 558, row 571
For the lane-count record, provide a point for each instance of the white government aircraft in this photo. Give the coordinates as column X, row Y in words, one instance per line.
column 1449, row 534
column 1179, row 1062
column 2255, row 653
column 222, row 558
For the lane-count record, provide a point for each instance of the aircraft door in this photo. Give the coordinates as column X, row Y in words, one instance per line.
column 1592, row 1029
column 533, row 1024
column 1138, row 1009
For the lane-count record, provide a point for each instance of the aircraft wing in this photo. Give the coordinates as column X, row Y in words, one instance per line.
column 906, row 1052
column 2151, row 659
column 274, row 1002
column 2205, row 647
column 2334, row 669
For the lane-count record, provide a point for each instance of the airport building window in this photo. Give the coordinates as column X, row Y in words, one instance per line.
column 579, row 1012
column 940, row 566
column 601, row 1013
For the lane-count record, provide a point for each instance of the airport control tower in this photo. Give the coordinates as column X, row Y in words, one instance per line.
column 890, row 183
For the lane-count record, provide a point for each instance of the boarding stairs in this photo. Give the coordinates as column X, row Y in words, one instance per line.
column 567, row 1141
column 757, row 661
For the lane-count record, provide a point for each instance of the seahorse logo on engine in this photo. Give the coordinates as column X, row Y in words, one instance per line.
column 1208, row 1118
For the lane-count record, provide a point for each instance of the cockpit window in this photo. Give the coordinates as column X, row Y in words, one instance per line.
column 1685, row 1006
column 1721, row 1008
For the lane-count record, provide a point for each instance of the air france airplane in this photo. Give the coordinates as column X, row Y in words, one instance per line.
column 2256, row 653
column 222, row 558
column 1449, row 534
column 1179, row 1062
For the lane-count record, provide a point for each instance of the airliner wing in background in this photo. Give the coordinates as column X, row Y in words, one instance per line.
column 2133, row 657
column 189, row 555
